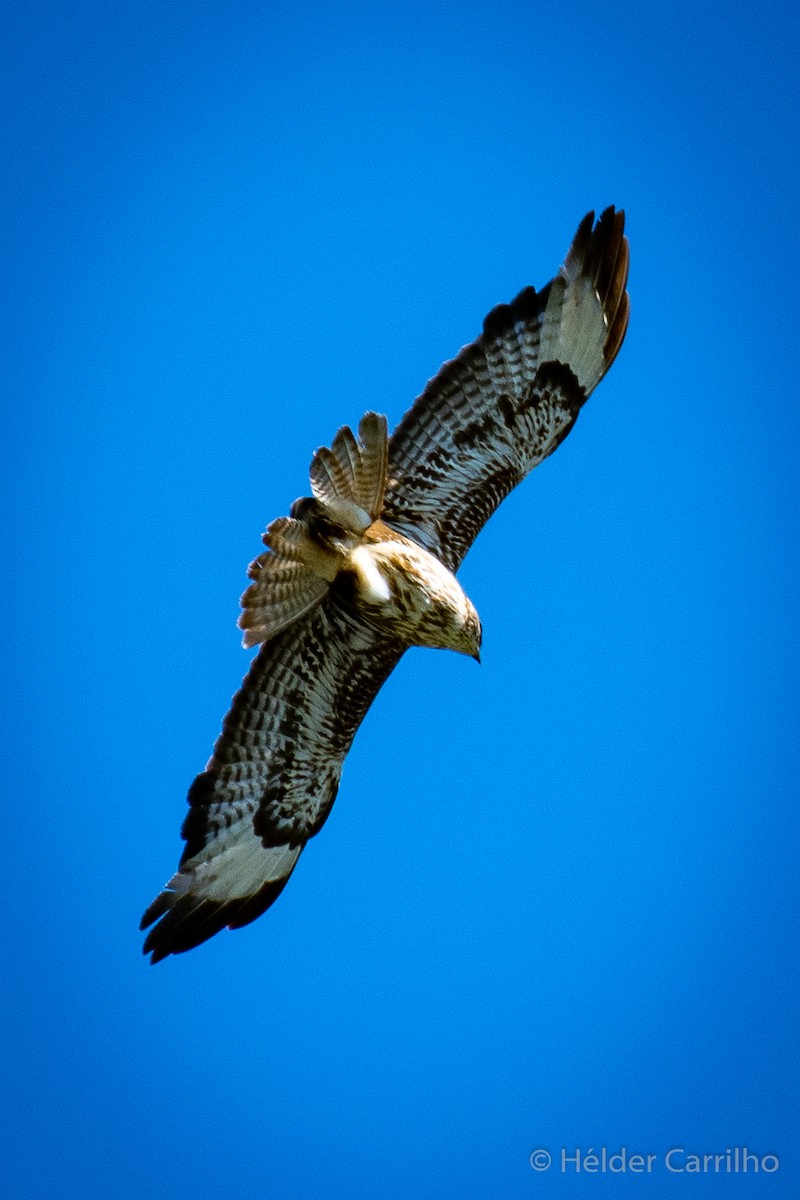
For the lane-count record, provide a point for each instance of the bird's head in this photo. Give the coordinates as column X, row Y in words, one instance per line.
column 465, row 633
column 473, row 633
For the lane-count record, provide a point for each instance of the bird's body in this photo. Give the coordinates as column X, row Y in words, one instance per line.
column 365, row 568
column 407, row 593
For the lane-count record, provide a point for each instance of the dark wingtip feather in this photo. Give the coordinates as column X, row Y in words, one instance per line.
column 160, row 905
column 603, row 256
column 618, row 280
column 612, row 284
column 582, row 239
column 617, row 331
column 186, row 922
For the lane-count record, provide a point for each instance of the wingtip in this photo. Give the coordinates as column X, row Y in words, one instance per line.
column 592, row 236
column 186, row 921
column 600, row 253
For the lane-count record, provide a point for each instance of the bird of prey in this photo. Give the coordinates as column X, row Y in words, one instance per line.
column 365, row 567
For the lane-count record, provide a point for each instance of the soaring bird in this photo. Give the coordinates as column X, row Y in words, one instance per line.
column 365, row 567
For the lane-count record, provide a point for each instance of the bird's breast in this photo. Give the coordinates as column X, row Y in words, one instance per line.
column 407, row 590
column 372, row 586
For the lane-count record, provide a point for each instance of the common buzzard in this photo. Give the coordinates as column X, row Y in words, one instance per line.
column 365, row 568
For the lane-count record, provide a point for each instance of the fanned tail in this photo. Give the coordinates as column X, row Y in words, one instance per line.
column 306, row 549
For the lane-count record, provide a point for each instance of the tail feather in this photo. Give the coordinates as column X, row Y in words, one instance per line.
column 287, row 537
column 282, row 591
column 305, row 550
column 354, row 471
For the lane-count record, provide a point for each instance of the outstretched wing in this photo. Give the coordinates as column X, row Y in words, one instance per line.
column 481, row 424
column 273, row 775
column 508, row 400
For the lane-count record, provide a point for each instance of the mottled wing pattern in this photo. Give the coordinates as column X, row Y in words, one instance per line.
column 481, row 424
column 273, row 775
column 508, row 399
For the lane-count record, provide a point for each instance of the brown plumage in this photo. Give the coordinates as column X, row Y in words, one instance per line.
column 364, row 568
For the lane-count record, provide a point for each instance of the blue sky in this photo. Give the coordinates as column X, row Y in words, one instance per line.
column 556, row 903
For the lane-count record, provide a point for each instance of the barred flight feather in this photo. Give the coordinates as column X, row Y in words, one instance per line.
column 364, row 568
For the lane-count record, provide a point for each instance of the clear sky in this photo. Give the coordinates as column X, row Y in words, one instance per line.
column 556, row 904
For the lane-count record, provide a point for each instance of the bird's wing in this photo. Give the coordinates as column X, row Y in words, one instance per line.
column 273, row 775
column 508, row 399
column 481, row 424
